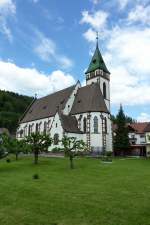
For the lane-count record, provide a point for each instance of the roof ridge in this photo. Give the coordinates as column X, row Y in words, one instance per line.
column 57, row 92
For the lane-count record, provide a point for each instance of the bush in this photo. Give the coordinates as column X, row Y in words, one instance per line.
column 109, row 154
column 107, row 157
column 35, row 176
column 148, row 154
column 56, row 149
column 8, row 160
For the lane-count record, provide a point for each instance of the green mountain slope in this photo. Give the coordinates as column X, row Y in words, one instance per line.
column 12, row 106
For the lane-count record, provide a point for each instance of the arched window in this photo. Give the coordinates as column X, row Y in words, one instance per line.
column 95, row 125
column 56, row 139
column 25, row 131
column 45, row 127
column 37, row 128
column 49, row 123
column 29, row 130
column 105, row 123
column 84, row 125
column 104, row 90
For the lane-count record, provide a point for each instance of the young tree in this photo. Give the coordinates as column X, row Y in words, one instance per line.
column 72, row 147
column 38, row 143
column 2, row 149
column 18, row 146
column 4, row 145
column 121, row 139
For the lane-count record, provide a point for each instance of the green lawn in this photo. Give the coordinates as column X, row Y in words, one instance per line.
column 92, row 194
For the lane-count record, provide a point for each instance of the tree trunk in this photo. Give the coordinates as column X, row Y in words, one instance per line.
column 71, row 162
column 16, row 156
column 36, row 156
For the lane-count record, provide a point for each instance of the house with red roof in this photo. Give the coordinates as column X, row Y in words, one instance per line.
column 147, row 137
column 137, row 138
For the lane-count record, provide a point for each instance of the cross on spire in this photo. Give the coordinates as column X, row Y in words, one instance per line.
column 97, row 39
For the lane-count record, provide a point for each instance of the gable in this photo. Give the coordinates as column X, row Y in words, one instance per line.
column 89, row 99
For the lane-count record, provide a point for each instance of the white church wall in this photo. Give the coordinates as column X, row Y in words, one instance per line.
column 107, row 100
column 25, row 126
column 77, row 136
column 71, row 99
column 56, row 128
column 96, row 138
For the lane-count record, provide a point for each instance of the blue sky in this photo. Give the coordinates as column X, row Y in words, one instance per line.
column 46, row 45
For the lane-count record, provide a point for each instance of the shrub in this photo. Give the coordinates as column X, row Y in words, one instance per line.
column 56, row 149
column 109, row 154
column 8, row 160
column 107, row 157
column 36, row 176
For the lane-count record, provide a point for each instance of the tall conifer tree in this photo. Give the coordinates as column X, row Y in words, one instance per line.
column 121, row 139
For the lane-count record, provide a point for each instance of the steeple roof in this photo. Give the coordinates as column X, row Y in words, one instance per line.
column 97, row 62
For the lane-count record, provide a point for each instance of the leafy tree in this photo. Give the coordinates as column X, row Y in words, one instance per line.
column 14, row 146
column 3, row 147
column 72, row 147
column 18, row 146
column 38, row 143
column 121, row 139
column 2, row 150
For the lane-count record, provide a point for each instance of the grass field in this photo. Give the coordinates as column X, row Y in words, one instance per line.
column 92, row 194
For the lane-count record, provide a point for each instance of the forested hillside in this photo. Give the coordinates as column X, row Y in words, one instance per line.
column 12, row 106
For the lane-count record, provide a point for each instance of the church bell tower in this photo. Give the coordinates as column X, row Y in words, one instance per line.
column 97, row 72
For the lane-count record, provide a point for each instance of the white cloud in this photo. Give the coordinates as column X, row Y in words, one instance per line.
column 140, row 14
column 95, row 2
column 96, row 20
column 127, row 57
column 30, row 81
column 123, row 3
column 127, row 88
column 143, row 117
column 46, row 49
column 64, row 61
column 128, row 53
column 90, row 35
column 131, row 46
column 7, row 9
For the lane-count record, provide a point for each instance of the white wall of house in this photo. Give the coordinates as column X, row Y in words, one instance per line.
column 147, row 137
column 147, row 134
column 139, row 138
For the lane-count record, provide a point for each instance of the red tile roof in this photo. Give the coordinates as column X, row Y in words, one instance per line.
column 138, row 127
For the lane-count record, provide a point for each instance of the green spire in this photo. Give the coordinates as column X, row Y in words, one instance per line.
column 97, row 61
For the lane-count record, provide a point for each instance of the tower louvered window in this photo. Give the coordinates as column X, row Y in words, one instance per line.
column 104, row 90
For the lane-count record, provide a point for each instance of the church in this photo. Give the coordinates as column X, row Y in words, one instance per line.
column 80, row 112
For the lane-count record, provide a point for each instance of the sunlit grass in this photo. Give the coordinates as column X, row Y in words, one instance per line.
column 93, row 193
